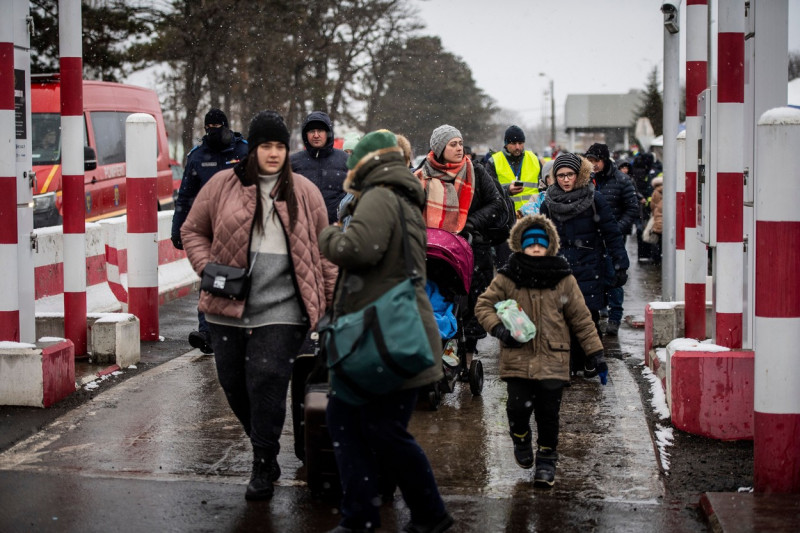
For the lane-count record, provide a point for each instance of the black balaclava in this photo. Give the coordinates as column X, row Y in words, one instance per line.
column 217, row 138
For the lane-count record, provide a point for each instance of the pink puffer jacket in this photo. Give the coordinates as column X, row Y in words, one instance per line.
column 218, row 230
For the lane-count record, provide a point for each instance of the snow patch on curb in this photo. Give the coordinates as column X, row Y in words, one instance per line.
column 663, row 434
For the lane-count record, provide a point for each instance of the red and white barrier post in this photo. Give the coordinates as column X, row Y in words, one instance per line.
column 728, row 263
column 71, row 63
column 140, row 156
column 9, row 303
column 777, row 304
column 695, row 250
column 680, row 216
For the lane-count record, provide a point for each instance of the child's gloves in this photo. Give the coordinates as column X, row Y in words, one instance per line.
column 597, row 367
column 500, row 332
column 620, row 278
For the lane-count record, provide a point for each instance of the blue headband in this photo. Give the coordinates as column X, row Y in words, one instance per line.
column 535, row 235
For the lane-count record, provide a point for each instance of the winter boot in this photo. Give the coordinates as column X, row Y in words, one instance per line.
column 523, row 450
column 201, row 340
column 545, row 473
column 265, row 472
column 612, row 329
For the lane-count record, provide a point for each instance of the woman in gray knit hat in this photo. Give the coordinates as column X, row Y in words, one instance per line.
column 587, row 229
column 462, row 199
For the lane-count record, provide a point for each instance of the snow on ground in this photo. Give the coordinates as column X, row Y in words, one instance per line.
column 663, row 434
column 664, row 438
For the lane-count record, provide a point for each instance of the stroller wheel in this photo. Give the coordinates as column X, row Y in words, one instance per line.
column 476, row 377
column 434, row 397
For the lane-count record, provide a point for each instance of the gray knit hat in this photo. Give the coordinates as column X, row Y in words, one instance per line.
column 441, row 136
column 571, row 161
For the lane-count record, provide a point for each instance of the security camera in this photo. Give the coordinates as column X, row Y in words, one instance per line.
column 670, row 6
column 670, row 10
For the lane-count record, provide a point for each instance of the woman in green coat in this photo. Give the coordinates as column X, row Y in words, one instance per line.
column 374, row 437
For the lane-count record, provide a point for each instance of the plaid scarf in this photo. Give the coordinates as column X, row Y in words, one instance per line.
column 449, row 188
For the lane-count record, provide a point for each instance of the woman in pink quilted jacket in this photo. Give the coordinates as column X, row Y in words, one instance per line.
column 261, row 217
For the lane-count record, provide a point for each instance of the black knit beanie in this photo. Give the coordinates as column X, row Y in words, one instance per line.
column 599, row 151
column 215, row 116
column 514, row 134
column 571, row 161
column 267, row 126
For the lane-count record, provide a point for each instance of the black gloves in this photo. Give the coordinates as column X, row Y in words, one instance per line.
column 500, row 332
column 597, row 366
column 176, row 242
column 620, row 278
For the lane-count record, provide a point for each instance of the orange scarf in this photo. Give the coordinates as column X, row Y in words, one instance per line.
column 449, row 188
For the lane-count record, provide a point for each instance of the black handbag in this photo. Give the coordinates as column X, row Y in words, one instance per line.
column 225, row 281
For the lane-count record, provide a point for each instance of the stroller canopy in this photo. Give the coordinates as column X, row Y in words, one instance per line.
column 453, row 250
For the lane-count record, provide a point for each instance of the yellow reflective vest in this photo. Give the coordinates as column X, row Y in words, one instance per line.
column 529, row 175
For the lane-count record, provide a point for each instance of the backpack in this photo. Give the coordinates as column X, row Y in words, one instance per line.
column 506, row 219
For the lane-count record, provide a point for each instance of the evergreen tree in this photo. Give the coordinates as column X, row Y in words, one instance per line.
column 652, row 104
column 109, row 30
column 429, row 87
column 794, row 65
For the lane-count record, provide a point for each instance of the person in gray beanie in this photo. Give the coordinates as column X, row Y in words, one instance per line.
column 440, row 138
column 588, row 231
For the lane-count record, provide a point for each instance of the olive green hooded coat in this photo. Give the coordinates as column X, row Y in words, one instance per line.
column 369, row 253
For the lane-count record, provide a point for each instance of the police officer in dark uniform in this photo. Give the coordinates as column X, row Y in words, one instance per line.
column 220, row 149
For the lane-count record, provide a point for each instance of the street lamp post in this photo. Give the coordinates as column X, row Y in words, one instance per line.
column 552, row 112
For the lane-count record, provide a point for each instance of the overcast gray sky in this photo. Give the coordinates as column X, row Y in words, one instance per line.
column 584, row 46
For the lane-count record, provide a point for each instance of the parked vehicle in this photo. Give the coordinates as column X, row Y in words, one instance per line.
column 106, row 107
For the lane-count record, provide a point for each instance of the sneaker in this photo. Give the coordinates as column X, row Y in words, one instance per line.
column 201, row 340
column 612, row 329
column 545, row 474
column 437, row 525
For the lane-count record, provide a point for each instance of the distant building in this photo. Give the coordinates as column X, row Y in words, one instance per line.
column 604, row 118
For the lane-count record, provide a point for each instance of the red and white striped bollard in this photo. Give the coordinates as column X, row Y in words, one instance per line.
column 9, row 303
column 777, row 304
column 695, row 250
column 140, row 156
column 71, row 65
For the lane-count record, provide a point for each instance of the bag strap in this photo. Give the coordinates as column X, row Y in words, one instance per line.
column 406, row 246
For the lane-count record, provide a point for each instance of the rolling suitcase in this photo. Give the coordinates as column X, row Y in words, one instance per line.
column 303, row 366
column 322, row 474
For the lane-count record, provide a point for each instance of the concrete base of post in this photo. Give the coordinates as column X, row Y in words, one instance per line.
column 111, row 337
column 115, row 339
column 710, row 392
column 37, row 375
column 665, row 321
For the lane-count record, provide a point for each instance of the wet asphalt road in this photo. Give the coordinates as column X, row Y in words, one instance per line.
column 162, row 452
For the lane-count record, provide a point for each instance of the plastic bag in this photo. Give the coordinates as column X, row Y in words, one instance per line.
column 515, row 320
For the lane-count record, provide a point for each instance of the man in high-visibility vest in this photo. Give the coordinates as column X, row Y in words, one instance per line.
column 517, row 170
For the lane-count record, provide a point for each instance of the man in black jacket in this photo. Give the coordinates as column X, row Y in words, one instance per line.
column 620, row 194
column 220, row 149
column 320, row 162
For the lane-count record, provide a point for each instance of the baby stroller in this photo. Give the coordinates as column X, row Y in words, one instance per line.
column 449, row 266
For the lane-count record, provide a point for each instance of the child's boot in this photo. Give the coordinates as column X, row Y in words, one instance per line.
column 545, row 473
column 523, row 450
